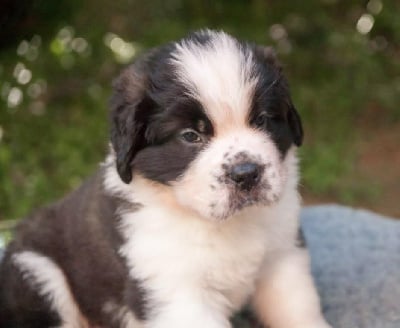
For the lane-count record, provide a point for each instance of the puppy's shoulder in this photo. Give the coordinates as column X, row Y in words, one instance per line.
column 82, row 211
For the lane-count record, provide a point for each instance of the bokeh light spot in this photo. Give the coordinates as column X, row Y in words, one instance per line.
column 24, row 76
column 365, row 23
column 15, row 97
column 34, row 90
column 66, row 34
column 123, row 51
column 375, row 6
column 277, row 32
column 56, row 47
column 23, row 48
column 32, row 54
column 18, row 68
column 36, row 41
column 80, row 45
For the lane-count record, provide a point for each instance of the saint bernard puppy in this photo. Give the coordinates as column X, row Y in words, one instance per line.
column 194, row 213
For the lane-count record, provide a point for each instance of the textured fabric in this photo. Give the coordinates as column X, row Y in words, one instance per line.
column 355, row 257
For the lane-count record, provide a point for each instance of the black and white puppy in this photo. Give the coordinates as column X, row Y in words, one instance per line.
column 194, row 213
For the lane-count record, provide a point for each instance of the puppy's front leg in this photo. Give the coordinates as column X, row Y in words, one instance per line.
column 285, row 295
column 189, row 313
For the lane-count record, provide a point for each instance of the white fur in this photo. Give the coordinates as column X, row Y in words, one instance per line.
column 197, row 272
column 285, row 295
column 42, row 273
column 220, row 75
column 122, row 315
column 200, row 188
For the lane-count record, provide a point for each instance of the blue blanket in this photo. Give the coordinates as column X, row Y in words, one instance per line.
column 355, row 257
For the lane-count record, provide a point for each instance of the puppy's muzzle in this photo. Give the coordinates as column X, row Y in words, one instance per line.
column 245, row 175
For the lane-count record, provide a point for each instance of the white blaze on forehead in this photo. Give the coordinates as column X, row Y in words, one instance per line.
column 220, row 75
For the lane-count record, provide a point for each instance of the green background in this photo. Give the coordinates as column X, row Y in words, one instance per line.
column 57, row 61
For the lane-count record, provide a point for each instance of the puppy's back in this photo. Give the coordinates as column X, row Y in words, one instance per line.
column 78, row 237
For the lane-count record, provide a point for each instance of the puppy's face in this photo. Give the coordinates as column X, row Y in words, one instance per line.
column 209, row 117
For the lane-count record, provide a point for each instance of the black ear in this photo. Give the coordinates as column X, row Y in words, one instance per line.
column 295, row 125
column 270, row 59
column 130, row 110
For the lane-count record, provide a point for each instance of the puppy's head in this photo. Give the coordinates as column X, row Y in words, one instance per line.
column 211, row 118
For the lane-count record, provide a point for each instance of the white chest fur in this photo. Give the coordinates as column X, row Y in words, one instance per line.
column 189, row 259
column 194, row 268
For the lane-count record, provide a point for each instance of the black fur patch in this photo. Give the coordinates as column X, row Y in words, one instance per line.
column 80, row 234
column 167, row 155
column 149, row 108
column 20, row 304
column 272, row 98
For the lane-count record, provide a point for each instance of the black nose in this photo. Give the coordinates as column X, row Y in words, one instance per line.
column 245, row 175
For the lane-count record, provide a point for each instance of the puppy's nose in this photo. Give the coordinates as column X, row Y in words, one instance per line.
column 245, row 175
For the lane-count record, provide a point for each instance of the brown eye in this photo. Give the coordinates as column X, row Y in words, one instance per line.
column 261, row 120
column 190, row 136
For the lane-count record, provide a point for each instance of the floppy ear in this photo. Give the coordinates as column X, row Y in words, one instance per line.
column 295, row 125
column 270, row 59
column 130, row 110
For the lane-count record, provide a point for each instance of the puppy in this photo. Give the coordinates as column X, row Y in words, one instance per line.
column 193, row 214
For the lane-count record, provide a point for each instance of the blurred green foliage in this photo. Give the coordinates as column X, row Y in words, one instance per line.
column 341, row 58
